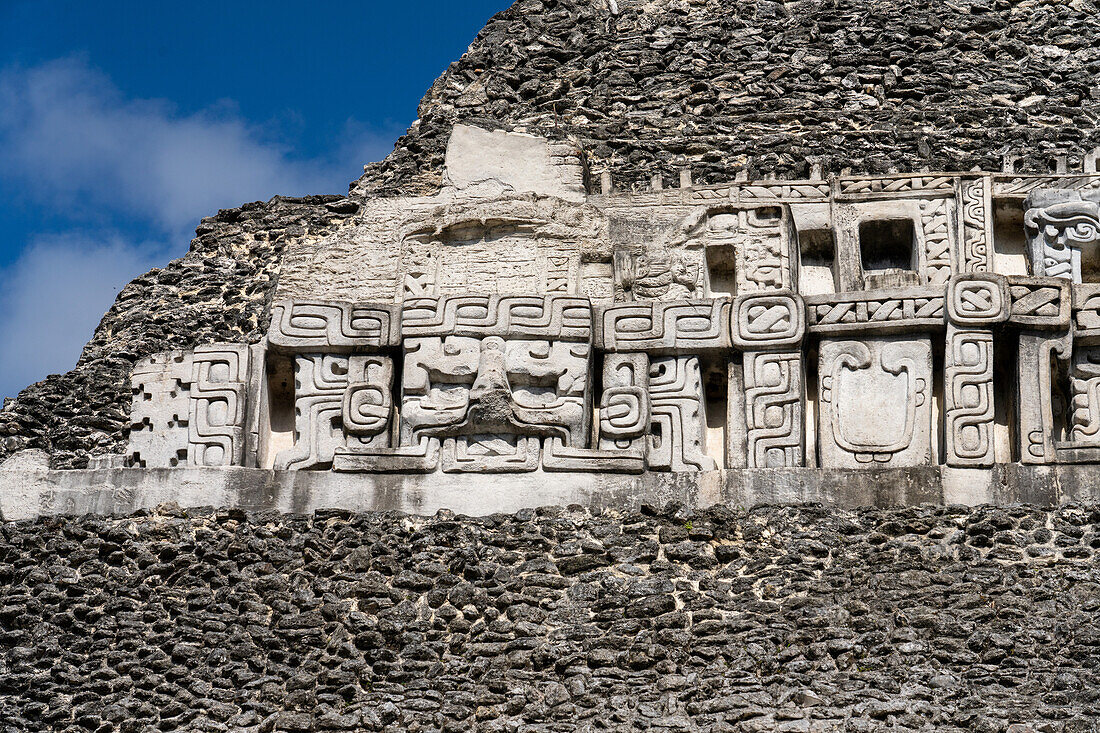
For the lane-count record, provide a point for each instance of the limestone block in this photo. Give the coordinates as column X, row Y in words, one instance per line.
column 1085, row 395
column 768, row 320
column 875, row 402
column 422, row 457
column 976, row 225
column 657, row 274
column 1086, row 313
column 559, row 457
column 678, row 434
column 483, row 163
column 1059, row 224
column 664, row 328
column 217, row 413
column 968, row 396
column 110, row 460
column 31, row 460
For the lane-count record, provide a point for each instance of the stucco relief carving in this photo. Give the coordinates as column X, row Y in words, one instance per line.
column 968, row 397
column 1059, row 224
column 875, row 402
column 678, row 435
column 509, row 324
column 656, row 273
column 774, row 409
column 161, row 386
column 216, row 417
column 1085, row 396
column 319, row 384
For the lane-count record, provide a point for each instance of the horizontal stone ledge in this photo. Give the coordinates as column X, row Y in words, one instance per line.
column 26, row 494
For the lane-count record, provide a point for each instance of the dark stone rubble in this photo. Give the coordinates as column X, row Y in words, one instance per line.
column 788, row 619
column 767, row 87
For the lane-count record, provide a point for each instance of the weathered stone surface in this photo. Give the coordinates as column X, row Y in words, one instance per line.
column 722, row 86
column 793, row 618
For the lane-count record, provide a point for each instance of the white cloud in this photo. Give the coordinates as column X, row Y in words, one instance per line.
column 69, row 134
column 53, row 297
column 69, row 138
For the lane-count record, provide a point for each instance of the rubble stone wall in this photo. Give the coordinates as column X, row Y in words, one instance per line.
column 650, row 86
column 791, row 619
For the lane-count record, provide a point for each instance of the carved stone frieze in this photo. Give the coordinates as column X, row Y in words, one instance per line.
column 977, row 299
column 217, row 414
column 876, row 311
column 968, row 397
column 161, row 386
column 678, row 435
column 768, row 320
column 301, row 326
column 1038, row 357
column 663, row 328
column 1040, row 302
column 566, row 318
column 774, row 409
column 977, row 224
column 1059, row 224
column 1085, row 396
column 875, row 402
column 515, row 323
column 320, row 381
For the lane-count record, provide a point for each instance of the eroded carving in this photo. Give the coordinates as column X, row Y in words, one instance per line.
column 875, row 402
column 678, row 434
column 216, row 422
column 968, row 397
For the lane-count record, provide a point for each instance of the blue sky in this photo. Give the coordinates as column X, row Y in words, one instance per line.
column 124, row 123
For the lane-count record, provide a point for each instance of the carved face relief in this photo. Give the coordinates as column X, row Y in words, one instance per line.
column 656, row 274
column 1057, row 233
column 875, row 398
column 459, row 386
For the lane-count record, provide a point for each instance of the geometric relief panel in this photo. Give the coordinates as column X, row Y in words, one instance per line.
column 216, row 420
column 678, row 438
column 875, row 402
column 968, row 397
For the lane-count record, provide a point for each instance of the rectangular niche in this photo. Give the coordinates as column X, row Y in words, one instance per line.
column 1009, row 239
column 817, row 264
column 888, row 253
column 277, row 418
column 721, row 270
column 716, row 395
